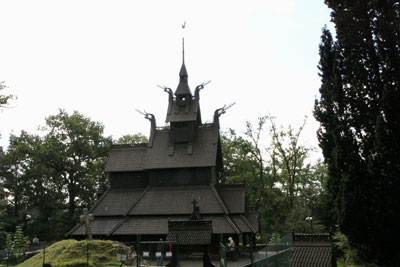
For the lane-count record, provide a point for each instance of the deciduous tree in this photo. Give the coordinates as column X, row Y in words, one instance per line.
column 276, row 175
column 76, row 151
column 4, row 99
column 59, row 170
column 132, row 139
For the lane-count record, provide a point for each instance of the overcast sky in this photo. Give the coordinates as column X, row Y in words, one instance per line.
column 106, row 58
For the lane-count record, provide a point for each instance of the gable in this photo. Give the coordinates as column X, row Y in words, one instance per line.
column 179, row 114
column 177, row 200
column 234, row 199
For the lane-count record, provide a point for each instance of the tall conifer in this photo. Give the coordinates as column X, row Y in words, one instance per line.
column 359, row 113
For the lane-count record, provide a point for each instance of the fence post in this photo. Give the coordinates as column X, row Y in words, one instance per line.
column 177, row 249
column 222, row 255
column 138, row 252
column 251, row 254
column 44, row 254
column 87, row 253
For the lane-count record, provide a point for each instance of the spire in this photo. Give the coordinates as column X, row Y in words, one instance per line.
column 183, row 87
column 183, row 45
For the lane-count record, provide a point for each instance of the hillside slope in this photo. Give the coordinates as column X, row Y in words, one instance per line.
column 72, row 253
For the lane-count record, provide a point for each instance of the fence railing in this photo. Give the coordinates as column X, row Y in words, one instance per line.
column 275, row 254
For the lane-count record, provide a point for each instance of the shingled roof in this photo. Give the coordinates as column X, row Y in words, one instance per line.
column 133, row 158
column 233, row 197
column 126, row 158
column 100, row 226
column 204, row 151
column 312, row 250
column 190, row 232
column 130, row 211
column 117, row 201
column 151, row 225
column 169, row 200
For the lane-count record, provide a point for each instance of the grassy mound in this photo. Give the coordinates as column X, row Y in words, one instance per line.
column 72, row 253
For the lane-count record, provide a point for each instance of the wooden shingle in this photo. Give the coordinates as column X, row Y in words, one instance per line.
column 312, row 250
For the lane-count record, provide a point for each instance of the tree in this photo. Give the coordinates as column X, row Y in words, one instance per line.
column 76, row 151
column 360, row 124
column 31, row 188
column 241, row 166
column 62, row 169
column 17, row 244
column 4, row 99
column 16, row 162
column 298, row 178
column 3, row 207
column 132, row 139
column 276, row 176
column 256, row 151
column 289, row 156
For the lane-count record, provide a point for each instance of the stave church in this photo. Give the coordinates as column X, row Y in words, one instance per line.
column 155, row 187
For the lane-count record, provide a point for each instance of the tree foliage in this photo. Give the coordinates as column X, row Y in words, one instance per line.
column 76, row 151
column 289, row 157
column 5, row 99
column 360, row 123
column 277, row 178
column 61, row 170
column 17, row 243
column 3, row 207
column 132, row 139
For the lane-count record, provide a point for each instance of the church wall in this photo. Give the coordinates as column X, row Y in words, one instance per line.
column 182, row 132
column 180, row 176
column 128, row 179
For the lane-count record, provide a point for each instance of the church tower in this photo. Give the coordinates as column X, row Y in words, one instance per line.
column 183, row 112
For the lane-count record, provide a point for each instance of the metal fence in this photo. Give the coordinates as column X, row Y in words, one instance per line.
column 149, row 253
column 156, row 253
column 274, row 255
column 8, row 258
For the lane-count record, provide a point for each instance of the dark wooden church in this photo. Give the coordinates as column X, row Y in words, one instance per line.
column 173, row 176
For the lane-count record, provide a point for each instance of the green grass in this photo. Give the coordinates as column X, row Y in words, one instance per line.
column 72, row 253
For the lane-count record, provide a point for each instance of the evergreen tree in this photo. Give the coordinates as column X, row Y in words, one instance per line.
column 359, row 113
column 17, row 243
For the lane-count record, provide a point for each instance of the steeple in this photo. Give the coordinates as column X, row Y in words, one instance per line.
column 183, row 108
column 183, row 86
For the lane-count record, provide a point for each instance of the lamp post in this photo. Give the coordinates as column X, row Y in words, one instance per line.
column 310, row 219
column 27, row 218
